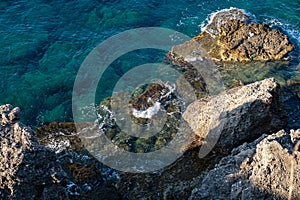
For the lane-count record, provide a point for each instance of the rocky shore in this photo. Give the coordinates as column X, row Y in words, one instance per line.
column 62, row 169
column 242, row 146
column 237, row 115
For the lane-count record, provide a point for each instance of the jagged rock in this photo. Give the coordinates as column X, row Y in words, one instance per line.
column 257, row 170
column 238, row 115
column 191, row 73
column 27, row 169
column 234, row 36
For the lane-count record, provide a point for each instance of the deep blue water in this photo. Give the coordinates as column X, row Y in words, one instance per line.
column 43, row 43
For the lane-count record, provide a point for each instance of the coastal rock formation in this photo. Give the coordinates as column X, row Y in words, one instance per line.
column 233, row 36
column 91, row 179
column 238, row 115
column 267, row 168
column 243, row 114
column 27, row 169
column 87, row 178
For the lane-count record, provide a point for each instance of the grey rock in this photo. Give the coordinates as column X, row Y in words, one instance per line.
column 235, row 116
column 257, row 170
column 27, row 169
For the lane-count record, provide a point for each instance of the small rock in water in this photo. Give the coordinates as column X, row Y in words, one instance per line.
column 233, row 36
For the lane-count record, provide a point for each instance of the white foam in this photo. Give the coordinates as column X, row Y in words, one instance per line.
column 171, row 89
column 147, row 114
column 58, row 146
column 73, row 189
column 190, row 59
column 153, row 110
column 233, row 16
column 290, row 29
column 193, row 59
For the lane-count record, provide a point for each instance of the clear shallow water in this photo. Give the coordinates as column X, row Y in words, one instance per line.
column 43, row 43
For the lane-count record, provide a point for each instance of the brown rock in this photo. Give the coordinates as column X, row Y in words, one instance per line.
column 232, row 36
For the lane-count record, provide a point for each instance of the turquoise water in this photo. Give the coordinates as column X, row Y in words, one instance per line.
column 43, row 43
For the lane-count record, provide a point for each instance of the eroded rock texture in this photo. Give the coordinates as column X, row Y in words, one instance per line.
column 234, row 36
column 27, row 169
column 257, row 170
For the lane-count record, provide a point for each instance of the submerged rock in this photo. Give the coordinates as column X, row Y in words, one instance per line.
column 142, row 122
column 263, row 169
column 27, row 169
column 234, row 36
column 237, row 115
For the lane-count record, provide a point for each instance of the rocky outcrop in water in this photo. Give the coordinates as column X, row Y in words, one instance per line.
column 234, row 36
column 237, row 115
column 258, row 170
column 27, row 169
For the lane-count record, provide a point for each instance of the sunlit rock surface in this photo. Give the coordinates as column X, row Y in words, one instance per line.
column 237, row 115
column 234, row 36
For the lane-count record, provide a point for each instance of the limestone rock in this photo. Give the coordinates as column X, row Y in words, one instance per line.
column 233, row 36
column 238, row 115
column 257, row 170
column 27, row 169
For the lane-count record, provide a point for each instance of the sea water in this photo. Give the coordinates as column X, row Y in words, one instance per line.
column 43, row 43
